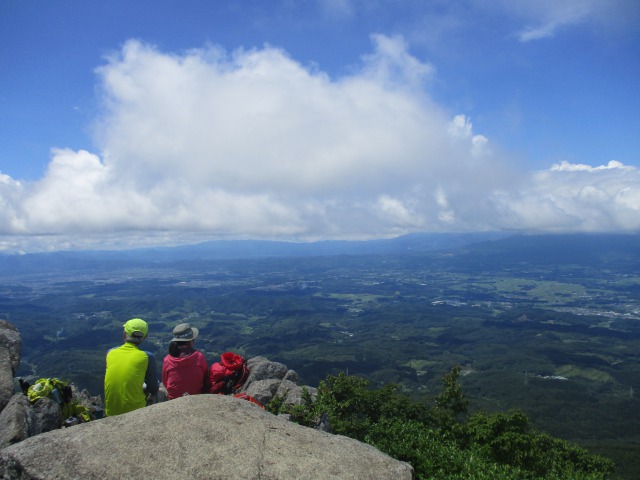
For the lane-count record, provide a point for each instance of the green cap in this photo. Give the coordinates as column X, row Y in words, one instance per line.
column 136, row 326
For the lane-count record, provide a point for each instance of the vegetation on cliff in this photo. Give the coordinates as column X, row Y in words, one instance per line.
column 440, row 440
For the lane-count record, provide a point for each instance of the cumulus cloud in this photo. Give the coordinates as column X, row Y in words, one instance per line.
column 11, row 193
column 211, row 143
column 258, row 120
column 575, row 197
column 461, row 128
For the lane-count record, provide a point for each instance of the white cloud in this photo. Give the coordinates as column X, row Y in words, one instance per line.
column 445, row 213
column 575, row 197
column 552, row 15
column 251, row 143
column 74, row 188
column 11, row 193
column 565, row 166
column 461, row 129
column 397, row 213
column 258, row 120
column 392, row 64
column 544, row 18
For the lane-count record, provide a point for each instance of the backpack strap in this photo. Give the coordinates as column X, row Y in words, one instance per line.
column 237, row 379
column 242, row 375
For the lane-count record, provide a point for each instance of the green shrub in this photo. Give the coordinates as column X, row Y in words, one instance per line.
column 509, row 439
column 437, row 440
column 431, row 455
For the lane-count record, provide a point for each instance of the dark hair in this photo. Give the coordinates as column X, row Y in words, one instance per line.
column 175, row 347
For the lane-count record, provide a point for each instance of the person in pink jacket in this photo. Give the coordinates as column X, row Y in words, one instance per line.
column 184, row 370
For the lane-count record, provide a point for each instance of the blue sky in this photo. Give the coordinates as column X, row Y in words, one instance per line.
column 137, row 123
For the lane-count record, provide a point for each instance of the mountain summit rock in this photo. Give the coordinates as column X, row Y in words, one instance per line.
column 199, row 436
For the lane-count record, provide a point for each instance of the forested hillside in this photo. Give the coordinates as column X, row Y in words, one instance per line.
column 548, row 325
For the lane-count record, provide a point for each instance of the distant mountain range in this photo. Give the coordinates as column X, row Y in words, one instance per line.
column 579, row 249
column 493, row 247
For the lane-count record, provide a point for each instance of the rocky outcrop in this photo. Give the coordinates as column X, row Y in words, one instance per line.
column 268, row 379
column 20, row 421
column 199, row 436
column 10, row 347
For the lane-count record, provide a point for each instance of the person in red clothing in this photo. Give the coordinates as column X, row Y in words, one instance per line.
column 184, row 370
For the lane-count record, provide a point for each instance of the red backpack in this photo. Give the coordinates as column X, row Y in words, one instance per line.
column 229, row 374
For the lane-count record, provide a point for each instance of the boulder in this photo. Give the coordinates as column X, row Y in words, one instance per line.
column 10, row 347
column 11, row 341
column 291, row 376
column 14, row 425
column 292, row 393
column 263, row 390
column 19, row 420
column 7, row 385
column 198, row 436
column 263, row 369
column 268, row 379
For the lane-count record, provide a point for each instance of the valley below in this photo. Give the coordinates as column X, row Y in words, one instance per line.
column 550, row 326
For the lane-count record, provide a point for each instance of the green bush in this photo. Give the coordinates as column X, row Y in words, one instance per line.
column 509, row 439
column 437, row 440
column 431, row 455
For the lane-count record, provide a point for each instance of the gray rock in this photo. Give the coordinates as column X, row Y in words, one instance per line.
column 11, row 341
column 268, row 379
column 291, row 376
column 263, row 369
column 19, row 420
column 323, row 423
column 7, row 386
column 44, row 416
column 264, row 378
column 263, row 390
column 285, row 387
column 292, row 394
column 199, row 437
column 84, row 398
column 14, row 426
column 10, row 348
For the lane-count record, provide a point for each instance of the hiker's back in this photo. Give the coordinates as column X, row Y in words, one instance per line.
column 184, row 375
column 124, row 377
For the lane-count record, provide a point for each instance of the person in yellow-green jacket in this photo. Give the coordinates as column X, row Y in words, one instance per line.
column 131, row 373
